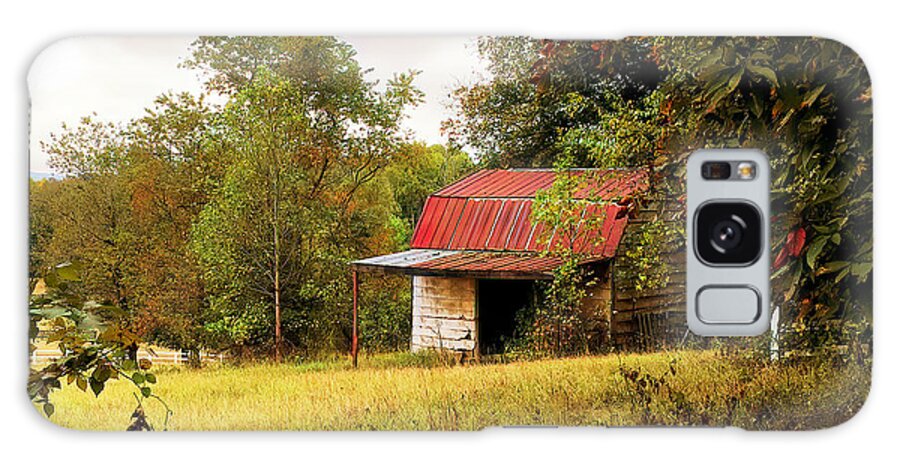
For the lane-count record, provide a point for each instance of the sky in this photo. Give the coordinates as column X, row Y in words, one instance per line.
column 117, row 77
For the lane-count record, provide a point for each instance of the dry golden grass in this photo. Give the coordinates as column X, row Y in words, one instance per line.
column 394, row 392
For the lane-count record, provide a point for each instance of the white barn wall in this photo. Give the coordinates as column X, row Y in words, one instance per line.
column 443, row 314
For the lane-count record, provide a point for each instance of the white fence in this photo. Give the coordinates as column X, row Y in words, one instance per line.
column 156, row 356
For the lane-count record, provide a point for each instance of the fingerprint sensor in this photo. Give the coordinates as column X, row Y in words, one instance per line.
column 724, row 304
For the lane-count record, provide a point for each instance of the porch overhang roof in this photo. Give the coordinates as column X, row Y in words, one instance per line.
column 466, row 263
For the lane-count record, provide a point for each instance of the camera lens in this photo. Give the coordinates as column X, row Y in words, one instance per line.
column 728, row 233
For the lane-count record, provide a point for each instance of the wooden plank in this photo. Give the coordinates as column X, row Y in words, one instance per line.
column 443, row 313
column 436, row 327
column 628, row 317
column 443, row 294
column 653, row 302
column 444, row 301
column 676, row 260
column 419, row 342
column 626, row 296
column 443, row 343
column 444, row 317
column 444, row 322
column 676, row 275
column 452, row 309
column 444, row 284
column 446, row 333
column 443, row 297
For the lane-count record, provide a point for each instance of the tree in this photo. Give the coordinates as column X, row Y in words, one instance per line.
column 182, row 215
column 125, row 209
column 170, row 167
column 419, row 171
column 649, row 102
column 542, row 100
column 89, row 216
column 302, row 140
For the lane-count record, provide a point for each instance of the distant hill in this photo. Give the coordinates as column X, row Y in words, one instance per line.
column 42, row 175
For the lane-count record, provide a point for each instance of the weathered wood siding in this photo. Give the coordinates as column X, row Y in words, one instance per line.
column 444, row 314
column 596, row 307
column 654, row 318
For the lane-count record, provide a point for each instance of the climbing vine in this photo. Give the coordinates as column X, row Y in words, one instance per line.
column 561, row 324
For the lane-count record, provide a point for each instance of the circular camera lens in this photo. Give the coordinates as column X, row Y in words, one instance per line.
column 726, row 235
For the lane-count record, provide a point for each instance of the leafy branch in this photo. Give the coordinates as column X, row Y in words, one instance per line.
column 95, row 347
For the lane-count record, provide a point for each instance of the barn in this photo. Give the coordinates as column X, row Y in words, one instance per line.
column 475, row 256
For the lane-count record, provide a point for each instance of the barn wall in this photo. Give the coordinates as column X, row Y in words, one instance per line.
column 443, row 314
column 597, row 306
column 650, row 318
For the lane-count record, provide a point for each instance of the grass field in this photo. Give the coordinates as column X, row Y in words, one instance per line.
column 403, row 391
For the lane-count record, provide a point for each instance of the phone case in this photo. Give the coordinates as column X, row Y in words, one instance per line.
column 301, row 234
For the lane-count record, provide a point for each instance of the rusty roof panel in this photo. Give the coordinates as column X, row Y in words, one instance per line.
column 457, row 186
column 483, row 229
column 502, row 226
column 509, row 221
column 466, row 218
column 483, row 261
column 536, row 237
column 426, row 222
column 473, row 219
column 605, row 184
column 540, row 180
column 441, row 218
column 491, row 211
column 521, row 231
column 614, row 237
column 449, row 221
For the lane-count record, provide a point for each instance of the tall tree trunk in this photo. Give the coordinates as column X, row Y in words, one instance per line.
column 276, row 275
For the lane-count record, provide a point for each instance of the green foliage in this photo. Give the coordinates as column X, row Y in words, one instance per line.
column 648, row 102
column 560, row 324
column 647, row 251
column 385, row 321
column 95, row 346
column 420, row 171
column 501, row 118
column 93, row 147
column 290, row 210
column 807, row 104
column 124, row 208
column 175, row 214
column 541, row 101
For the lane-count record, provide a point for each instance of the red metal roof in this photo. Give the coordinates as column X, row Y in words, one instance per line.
column 605, row 184
column 481, row 225
column 491, row 211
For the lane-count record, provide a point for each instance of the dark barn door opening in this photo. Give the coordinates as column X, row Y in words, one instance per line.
column 498, row 303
